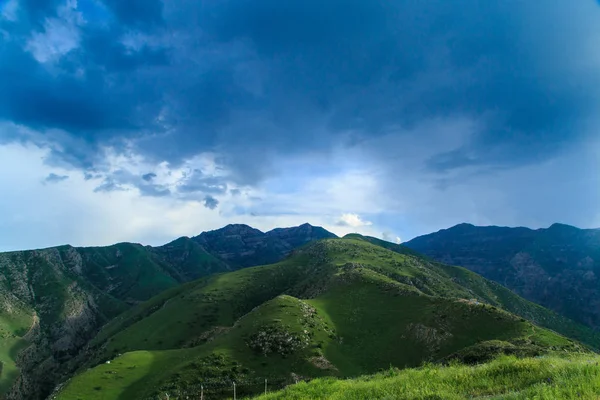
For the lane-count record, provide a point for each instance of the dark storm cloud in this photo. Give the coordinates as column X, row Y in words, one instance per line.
column 370, row 65
column 103, row 49
column 86, row 106
column 36, row 10
column 276, row 27
column 254, row 78
column 137, row 13
column 210, row 202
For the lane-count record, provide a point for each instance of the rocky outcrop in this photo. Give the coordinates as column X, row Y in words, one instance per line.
column 243, row 246
column 67, row 315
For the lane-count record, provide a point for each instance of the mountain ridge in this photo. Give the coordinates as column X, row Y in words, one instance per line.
column 335, row 307
column 244, row 246
column 54, row 300
column 548, row 265
column 75, row 290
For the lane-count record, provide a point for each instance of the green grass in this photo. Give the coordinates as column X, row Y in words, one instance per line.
column 15, row 322
column 178, row 318
column 77, row 290
column 342, row 307
column 122, row 377
column 141, row 374
column 469, row 284
column 549, row 378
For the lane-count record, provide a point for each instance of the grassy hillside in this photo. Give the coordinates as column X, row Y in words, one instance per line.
column 74, row 291
column 16, row 319
column 558, row 267
column 497, row 295
column 337, row 307
column 572, row 377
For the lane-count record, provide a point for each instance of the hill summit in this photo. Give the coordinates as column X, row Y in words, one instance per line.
column 243, row 246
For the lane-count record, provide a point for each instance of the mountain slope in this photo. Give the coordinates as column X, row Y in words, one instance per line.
column 74, row 291
column 16, row 320
column 339, row 307
column 497, row 295
column 68, row 293
column 558, row 267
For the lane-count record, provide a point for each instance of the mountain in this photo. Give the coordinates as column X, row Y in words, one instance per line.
column 557, row 267
column 53, row 301
column 335, row 307
column 63, row 295
column 243, row 246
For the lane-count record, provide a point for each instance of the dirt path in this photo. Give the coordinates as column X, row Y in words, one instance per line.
column 528, row 337
column 34, row 324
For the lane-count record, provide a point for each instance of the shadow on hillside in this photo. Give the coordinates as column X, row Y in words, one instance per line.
column 9, row 373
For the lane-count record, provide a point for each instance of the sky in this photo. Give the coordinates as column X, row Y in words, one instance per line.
column 146, row 120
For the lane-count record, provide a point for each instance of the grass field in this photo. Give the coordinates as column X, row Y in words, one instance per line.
column 548, row 378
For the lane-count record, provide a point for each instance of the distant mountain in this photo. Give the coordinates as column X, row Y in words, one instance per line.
column 335, row 307
column 243, row 246
column 557, row 267
column 53, row 301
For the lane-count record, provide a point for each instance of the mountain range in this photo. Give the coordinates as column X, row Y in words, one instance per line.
column 291, row 303
column 53, row 301
column 557, row 267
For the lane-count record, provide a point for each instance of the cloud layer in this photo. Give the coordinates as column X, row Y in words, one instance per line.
column 409, row 115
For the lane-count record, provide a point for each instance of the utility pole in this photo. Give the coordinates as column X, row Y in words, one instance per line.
column 201, row 392
column 234, row 395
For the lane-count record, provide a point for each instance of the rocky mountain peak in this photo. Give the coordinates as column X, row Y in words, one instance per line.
column 244, row 246
column 234, row 229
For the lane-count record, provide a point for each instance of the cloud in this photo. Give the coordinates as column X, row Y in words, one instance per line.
column 352, row 220
column 137, row 13
column 149, row 219
column 148, row 177
column 60, row 35
column 54, row 178
column 210, row 202
column 109, row 186
column 198, row 182
column 390, row 237
column 263, row 77
column 412, row 115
